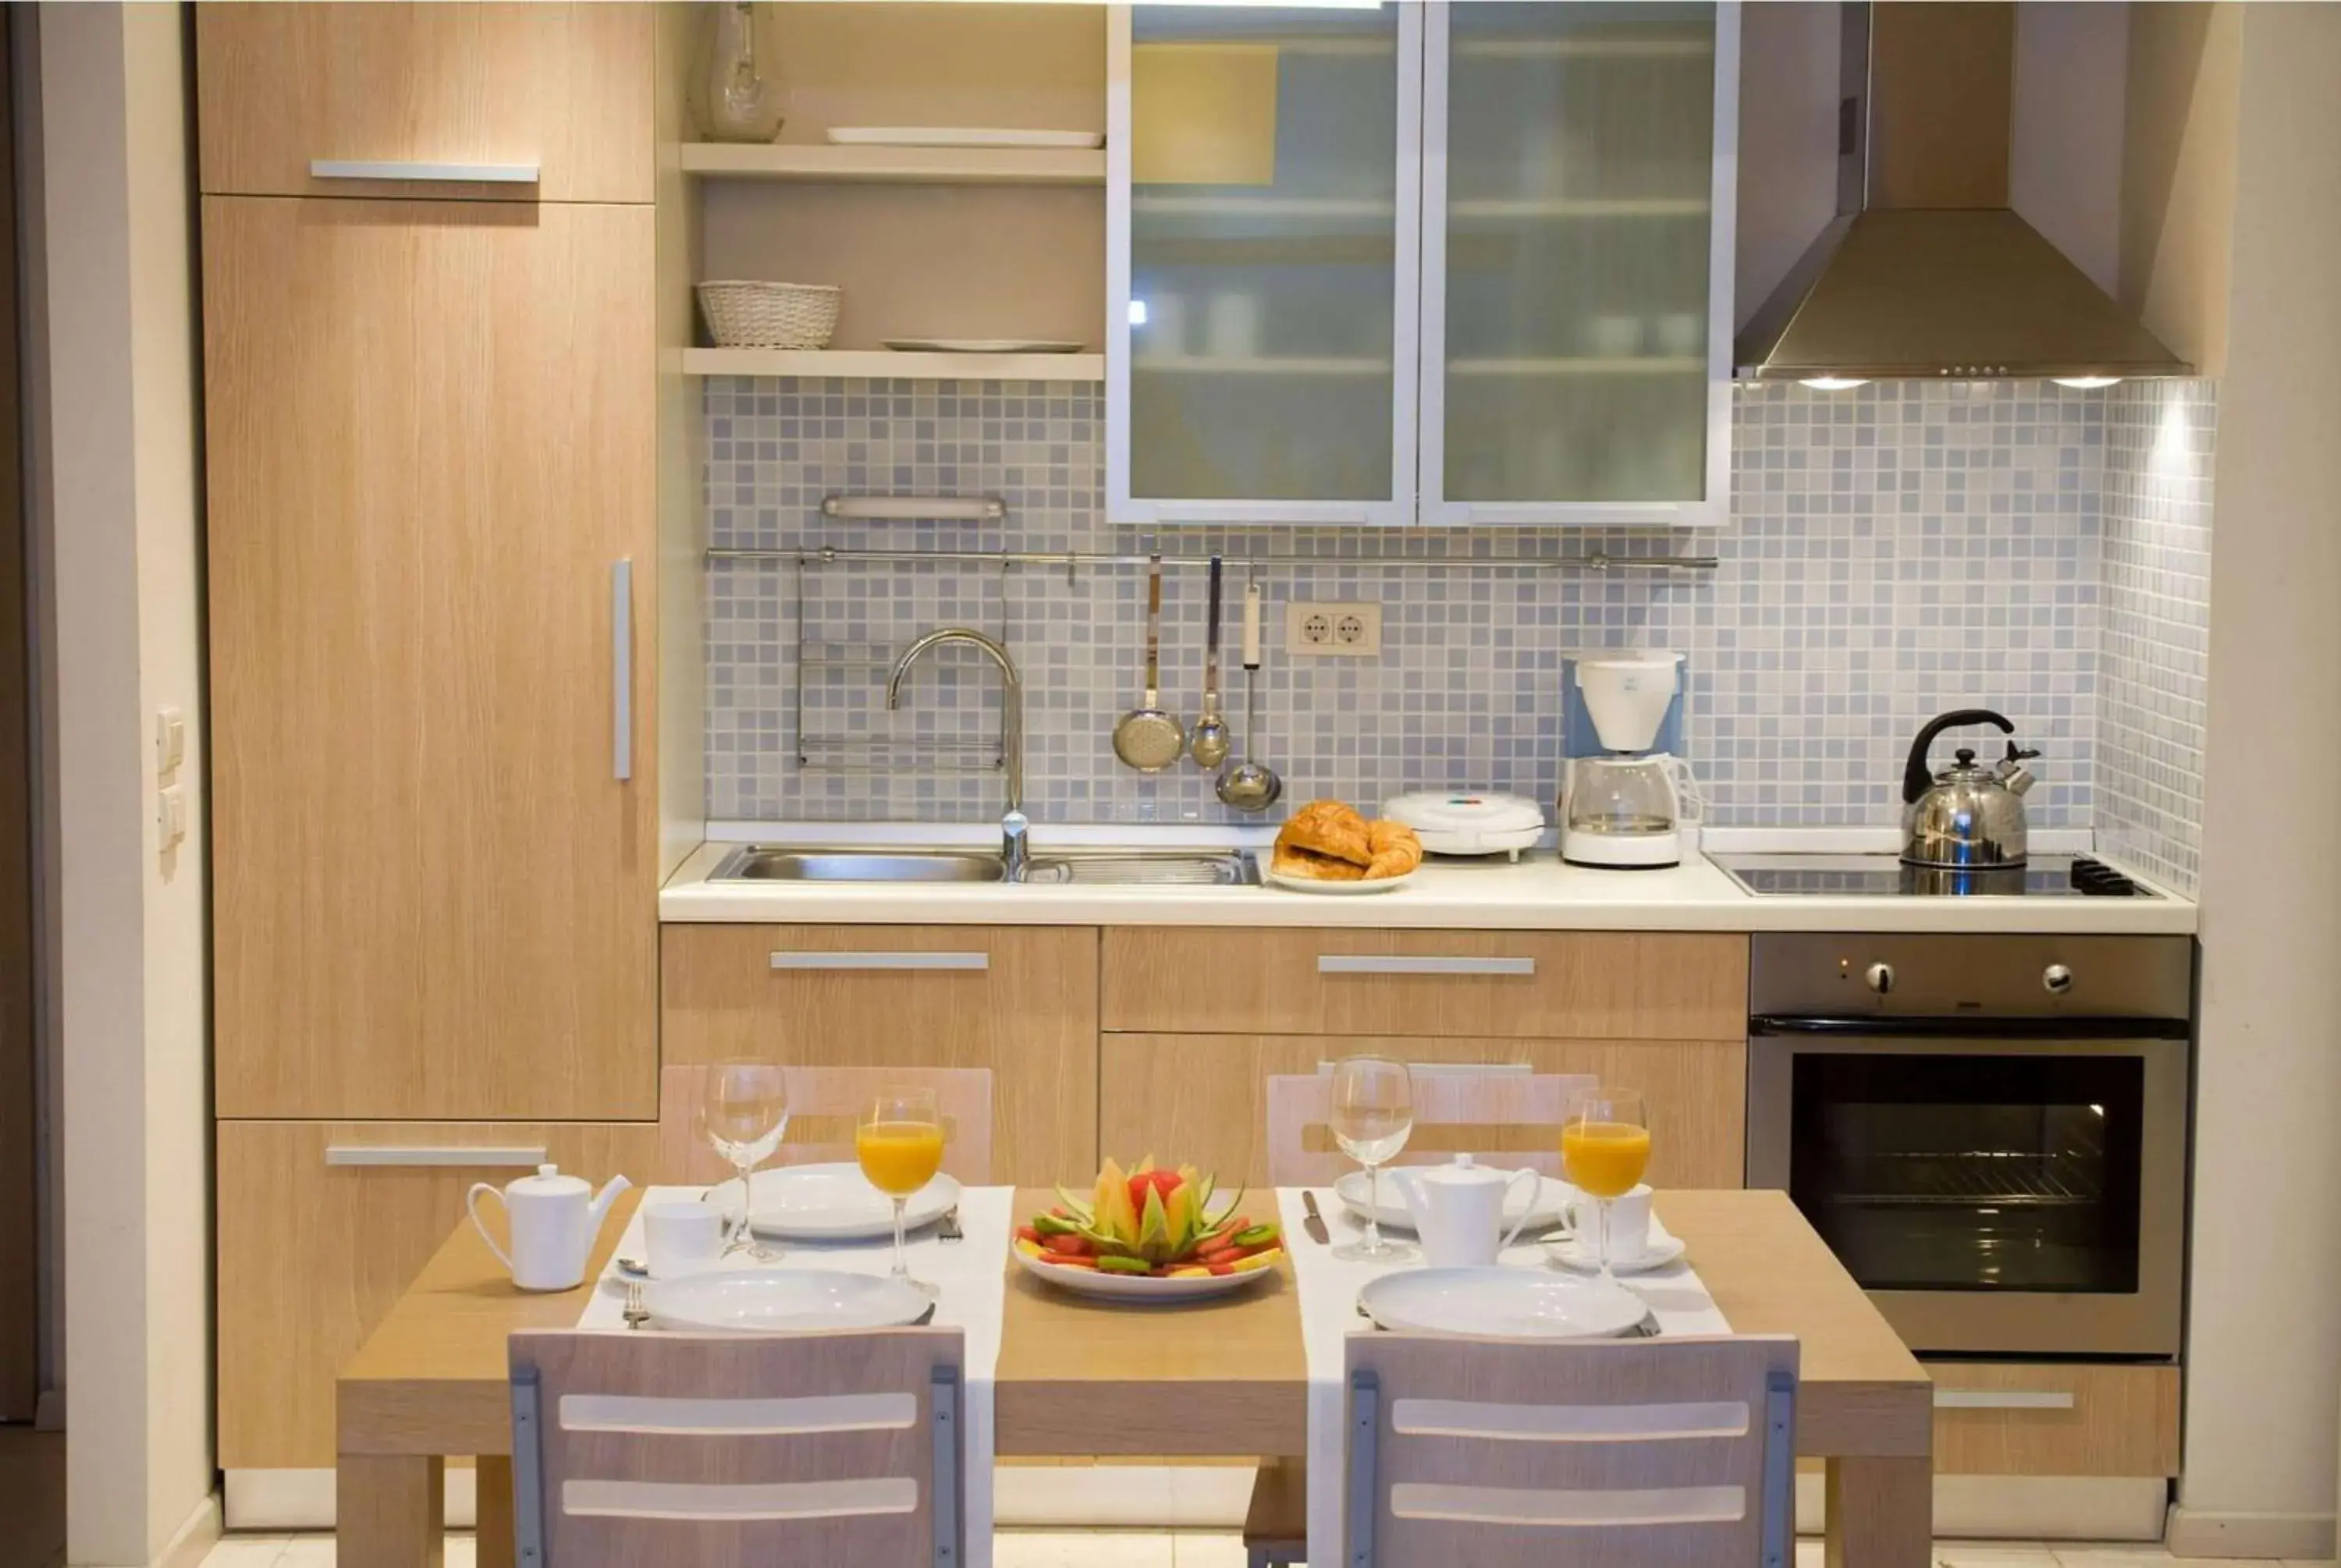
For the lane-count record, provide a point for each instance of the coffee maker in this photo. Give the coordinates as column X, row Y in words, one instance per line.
column 1623, row 809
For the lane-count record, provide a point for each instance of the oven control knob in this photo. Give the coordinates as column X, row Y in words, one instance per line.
column 1880, row 978
column 2057, row 979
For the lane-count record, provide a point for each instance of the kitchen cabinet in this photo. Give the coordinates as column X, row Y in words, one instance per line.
column 548, row 101
column 430, row 444
column 323, row 1224
column 1445, row 264
column 1020, row 1000
column 2045, row 1418
column 1203, row 1098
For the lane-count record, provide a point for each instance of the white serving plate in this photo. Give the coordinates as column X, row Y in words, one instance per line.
column 831, row 1203
column 982, row 346
column 1501, row 1302
column 1312, row 884
column 958, row 136
column 1542, row 1208
column 781, row 1300
column 1575, row 1253
column 1138, row 1286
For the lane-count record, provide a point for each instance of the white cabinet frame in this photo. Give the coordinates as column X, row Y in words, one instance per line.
column 1406, row 305
column 1712, row 510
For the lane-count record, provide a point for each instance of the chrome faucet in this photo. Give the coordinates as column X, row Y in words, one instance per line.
column 1015, row 830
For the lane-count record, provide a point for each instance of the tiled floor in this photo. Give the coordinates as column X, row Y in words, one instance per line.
column 1139, row 1549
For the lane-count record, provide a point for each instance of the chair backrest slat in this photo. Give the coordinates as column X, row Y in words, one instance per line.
column 736, row 1449
column 1511, row 1119
column 1672, row 1454
column 824, row 1106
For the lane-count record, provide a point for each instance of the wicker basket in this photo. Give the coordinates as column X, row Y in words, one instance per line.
column 757, row 315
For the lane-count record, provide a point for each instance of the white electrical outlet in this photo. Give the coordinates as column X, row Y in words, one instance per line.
column 1352, row 629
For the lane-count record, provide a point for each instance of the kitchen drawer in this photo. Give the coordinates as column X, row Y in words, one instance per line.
column 1020, row 1000
column 1526, row 985
column 2055, row 1419
column 322, row 1224
column 564, row 87
column 1203, row 1098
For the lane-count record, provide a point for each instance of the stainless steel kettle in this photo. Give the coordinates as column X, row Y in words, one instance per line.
column 1969, row 815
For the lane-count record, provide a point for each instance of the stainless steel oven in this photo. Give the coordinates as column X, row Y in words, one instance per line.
column 1990, row 1132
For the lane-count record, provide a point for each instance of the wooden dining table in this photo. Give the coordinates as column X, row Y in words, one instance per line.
column 1080, row 1377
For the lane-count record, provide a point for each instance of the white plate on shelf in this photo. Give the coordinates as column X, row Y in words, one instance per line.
column 1312, row 885
column 958, row 136
column 1501, row 1302
column 1542, row 1208
column 831, row 1203
column 1577, row 1255
column 1135, row 1287
column 982, row 346
column 781, row 1301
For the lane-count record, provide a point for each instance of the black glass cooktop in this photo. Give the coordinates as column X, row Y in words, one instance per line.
column 1884, row 876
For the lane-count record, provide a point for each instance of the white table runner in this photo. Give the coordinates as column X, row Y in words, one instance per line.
column 1679, row 1301
column 974, row 1277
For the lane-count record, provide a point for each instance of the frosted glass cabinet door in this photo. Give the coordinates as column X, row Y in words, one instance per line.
column 1264, row 189
column 1576, row 263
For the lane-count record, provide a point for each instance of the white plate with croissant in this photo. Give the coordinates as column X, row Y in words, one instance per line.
column 1326, row 846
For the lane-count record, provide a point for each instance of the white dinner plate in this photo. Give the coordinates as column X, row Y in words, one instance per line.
column 1503, row 1303
column 1577, row 1254
column 958, row 136
column 781, row 1300
column 1138, row 1286
column 1313, row 885
column 831, row 1203
column 980, row 346
column 1542, row 1208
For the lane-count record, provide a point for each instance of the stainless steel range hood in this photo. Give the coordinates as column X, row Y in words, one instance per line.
column 1926, row 271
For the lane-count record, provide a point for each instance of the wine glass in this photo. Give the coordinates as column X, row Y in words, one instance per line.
column 1370, row 1110
column 1605, row 1146
column 744, row 1113
column 900, row 1147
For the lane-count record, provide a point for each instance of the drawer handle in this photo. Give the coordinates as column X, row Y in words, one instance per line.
column 1999, row 1399
column 459, row 1156
column 437, row 173
column 1376, row 964
column 881, row 960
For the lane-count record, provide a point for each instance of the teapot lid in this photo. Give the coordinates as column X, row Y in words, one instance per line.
column 1463, row 1171
column 548, row 1182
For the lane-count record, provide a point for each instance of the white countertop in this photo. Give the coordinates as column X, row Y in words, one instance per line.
column 1540, row 893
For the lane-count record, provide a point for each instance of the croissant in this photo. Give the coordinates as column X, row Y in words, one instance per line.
column 1328, row 828
column 1397, row 851
column 1288, row 861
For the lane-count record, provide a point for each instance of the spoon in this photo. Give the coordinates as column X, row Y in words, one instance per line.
column 1207, row 742
column 1148, row 738
column 1250, row 786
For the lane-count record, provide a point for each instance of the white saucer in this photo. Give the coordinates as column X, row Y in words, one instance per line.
column 1575, row 1254
column 1502, row 1303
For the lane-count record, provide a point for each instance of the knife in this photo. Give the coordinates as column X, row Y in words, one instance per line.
column 1315, row 1224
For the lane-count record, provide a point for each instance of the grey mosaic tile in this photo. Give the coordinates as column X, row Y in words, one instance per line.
column 1895, row 552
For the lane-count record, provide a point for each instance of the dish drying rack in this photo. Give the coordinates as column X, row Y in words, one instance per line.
column 883, row 753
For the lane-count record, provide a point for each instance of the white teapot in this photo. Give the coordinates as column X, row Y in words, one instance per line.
column 1459, row 1209
column 554, row 1219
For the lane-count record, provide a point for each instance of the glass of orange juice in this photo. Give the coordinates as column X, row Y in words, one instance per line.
column 900, row 1147
column 1605, row 1147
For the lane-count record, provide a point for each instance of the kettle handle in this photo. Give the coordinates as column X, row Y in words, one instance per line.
column 1916, row 776
column 472, row 1207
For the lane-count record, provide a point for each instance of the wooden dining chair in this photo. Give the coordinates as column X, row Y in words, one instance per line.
column 1510, row 1118
column 1610, row 1454
column 737, row 1451
column 824, row 1106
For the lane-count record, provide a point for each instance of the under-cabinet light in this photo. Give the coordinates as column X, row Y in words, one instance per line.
column 2087, row 383
column 1833, row 383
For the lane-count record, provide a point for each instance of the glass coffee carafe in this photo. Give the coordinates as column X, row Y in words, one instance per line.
column 1624, row 797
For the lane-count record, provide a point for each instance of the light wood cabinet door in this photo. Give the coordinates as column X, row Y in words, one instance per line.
column 565, row 87
column 1527, row 985
column 430, row 444
column 1202, row 1099
column 1020, row 1000
column 322, row 1224
column 2051, row 1419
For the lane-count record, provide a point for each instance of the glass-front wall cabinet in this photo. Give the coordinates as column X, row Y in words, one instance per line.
column 1452, row 264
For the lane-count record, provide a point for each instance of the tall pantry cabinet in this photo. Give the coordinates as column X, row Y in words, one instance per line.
column 430, row 380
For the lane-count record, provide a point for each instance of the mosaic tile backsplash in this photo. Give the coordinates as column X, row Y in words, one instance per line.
column 1895, row 551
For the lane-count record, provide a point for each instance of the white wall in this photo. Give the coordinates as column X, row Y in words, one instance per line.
column 122, row 546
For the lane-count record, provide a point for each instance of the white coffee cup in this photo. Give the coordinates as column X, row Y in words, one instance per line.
column 1232, row 326
column 683, row 1238
column 1629, row 1224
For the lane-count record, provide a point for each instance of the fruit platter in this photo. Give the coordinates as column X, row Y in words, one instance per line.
column 1148, row 1234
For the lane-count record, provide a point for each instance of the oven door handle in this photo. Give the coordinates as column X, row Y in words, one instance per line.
column 1970, row 1027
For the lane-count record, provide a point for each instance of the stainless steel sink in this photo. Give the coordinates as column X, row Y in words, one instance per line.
column 1103, row 868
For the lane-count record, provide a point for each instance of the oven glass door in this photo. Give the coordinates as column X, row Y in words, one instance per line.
column 1973, row 1173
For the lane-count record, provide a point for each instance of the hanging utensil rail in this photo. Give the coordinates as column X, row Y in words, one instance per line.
column 1592, row 560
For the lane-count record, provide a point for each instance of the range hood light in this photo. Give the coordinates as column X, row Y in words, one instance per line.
column 1833, row 383
column 2087, row 383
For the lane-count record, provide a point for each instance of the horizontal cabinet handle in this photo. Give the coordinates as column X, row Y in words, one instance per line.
column 437, row 173
column 458, row 1156
column 2000, row 1399
column 1378, row 964
column 881, row 960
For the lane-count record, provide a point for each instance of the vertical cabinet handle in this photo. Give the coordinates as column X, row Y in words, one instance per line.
column 621, row 669
column 447, row 1157
column 2000, row 1399
column 1400, row 964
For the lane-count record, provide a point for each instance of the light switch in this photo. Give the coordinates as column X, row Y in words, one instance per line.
column 170, row 815
column 170, row 740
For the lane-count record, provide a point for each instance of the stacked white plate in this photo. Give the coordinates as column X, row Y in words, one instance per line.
column 831, row 1203
column 1502, row 1304
column 781, row 1301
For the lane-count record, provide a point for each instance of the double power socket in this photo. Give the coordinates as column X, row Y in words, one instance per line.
column 1353, row 630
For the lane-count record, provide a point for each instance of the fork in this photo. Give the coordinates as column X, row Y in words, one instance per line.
column 637, row 1314
column 949, row 1230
